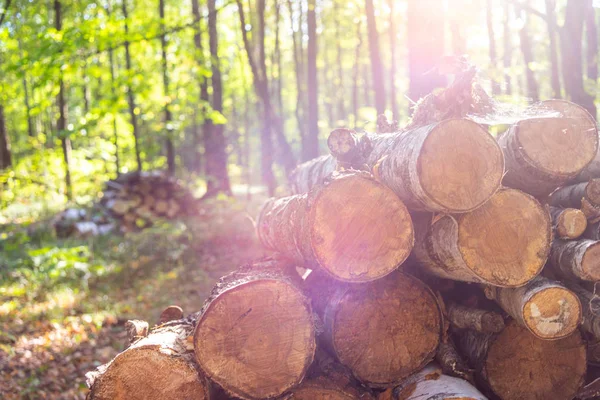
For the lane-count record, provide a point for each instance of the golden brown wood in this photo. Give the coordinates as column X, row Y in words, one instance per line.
column 568, row 223
column 546, row 308
column 157, row 367
column 255, row 334
column 353, row 227
column 385, row 330
column 576, row 259
column 321, row 389
column 517, row 365
column 544, row 153
column 171, row 313
column 504, row 243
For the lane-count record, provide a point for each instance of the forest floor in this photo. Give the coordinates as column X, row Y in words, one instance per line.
column 63, row 303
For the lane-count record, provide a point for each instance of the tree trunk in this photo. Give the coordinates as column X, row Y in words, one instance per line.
column 376, row 67
column 475, row 319
column 311, row 150
column 571, row 46
column 568, row 223
column 528, row 57
column 430, row 383
column 492, row 45
column 542, row 154
column 130, row 94
column 507, row 57
column 165, row 75
column 396, row 321
column 356, row 73
column 376, row 239
column 591, row 45
column 159, row 366
column 202, row 83
column 511, row 253
column 258, row 322
column 299, row 71
column 61, row 123
column 552, row 25
column 5, row 153
column 418, row 166
column 546, row 308
column 425, row 24
column 576, row 259
column 393, row 99
column 340, row 86
column 544, row 369
column 114, row 100
column 584, row 196
column 215, row 145
column 26, row 96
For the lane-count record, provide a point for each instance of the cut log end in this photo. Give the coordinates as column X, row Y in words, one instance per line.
column 256, row 340
column 360, row 230
column 521, row 366
column 460, row 165
column 590, row 262
column 342, row 143
column 396, row 321
column 552, row 313
column 321, row 390
column 496, row 244
column 570, row 223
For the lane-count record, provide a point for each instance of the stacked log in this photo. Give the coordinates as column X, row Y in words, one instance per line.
column 140, row 199
column 489, row 304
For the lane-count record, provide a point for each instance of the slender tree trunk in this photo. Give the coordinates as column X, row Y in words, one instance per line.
column 532, row 85
column 311, row 148
column 507, row 57
column 339, row 87
column 356, row 74
column 425, row 25
column 277, row 54
column 591, row 45
column 215, row 145
column 167, row 108
column 5, row 154
column 113, row 91
column 299, row 69
column 130, row 94
column 571, row 45
column 85, row 89
column 203, row 84
column 492, row 45
column 551, row 22
column 376, row 67
column 26, row 95
column 61, row 123
column 392, row 22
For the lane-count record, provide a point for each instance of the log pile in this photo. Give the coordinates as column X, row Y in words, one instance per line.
column 435, row 262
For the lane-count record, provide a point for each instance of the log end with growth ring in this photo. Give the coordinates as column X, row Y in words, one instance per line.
column 359, row 229
column 342, row 143
column 385, row 330
column 321, row 389
column 552, row 313
column 460, row 165
column 256, row 339
column 521, row 366
column 570, row 223
column 558, row 146
column 506, row 241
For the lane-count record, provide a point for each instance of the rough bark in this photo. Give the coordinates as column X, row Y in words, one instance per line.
column 551, row 23
column 215, row 144
column 136, row 330
column 544, row 153
column 517, row 365
column 451, row 362
column 306, row 228
column 5, row 153
column 484, row 321
column 61, row 122
column 256, row 324
column 165, row 75
column 576, row 259
column 452, row 166
column 130, row 93
column 590, row 306
column 376, row 67
column 425, row 26
column 572, row 53
column 546, row 308
column 430, row 383
column 159, row 366
column 568, row 223
column 512, row 251
column 584, row 196
column 592, row 231
column 311, row 149
column 396, row 321
column 528, row 57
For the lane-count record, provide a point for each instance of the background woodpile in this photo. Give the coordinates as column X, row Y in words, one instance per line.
column 430, row 263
